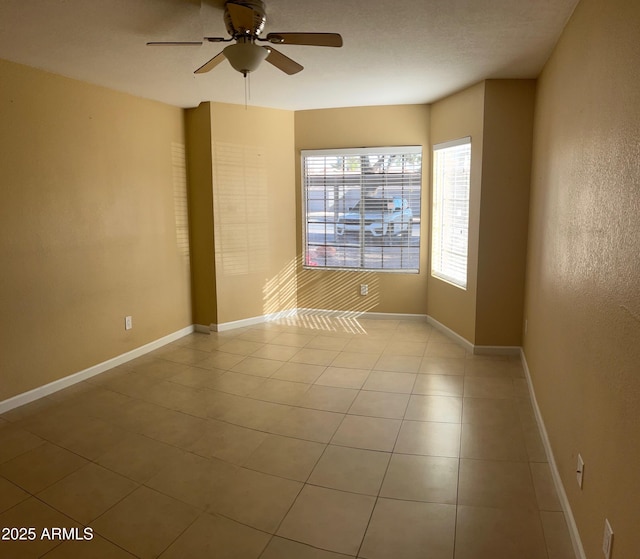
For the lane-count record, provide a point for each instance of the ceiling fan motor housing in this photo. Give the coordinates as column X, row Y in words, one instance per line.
column 245, row 20
column 258, row 23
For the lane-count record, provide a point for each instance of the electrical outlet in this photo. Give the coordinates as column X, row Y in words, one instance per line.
column 607, row 541
column 580, row 471
column 128, row 323
column 364, row 289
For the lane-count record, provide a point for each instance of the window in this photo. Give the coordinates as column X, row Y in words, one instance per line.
column 450, row 224
column 362, row 208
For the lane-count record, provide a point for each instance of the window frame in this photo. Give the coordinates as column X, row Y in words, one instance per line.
column 448, row 276
column 350, row 152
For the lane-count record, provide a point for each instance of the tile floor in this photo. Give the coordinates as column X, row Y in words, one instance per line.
column 309, row 438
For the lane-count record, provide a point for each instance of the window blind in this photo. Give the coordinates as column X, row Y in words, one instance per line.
column 450, row 220
column 362, row 208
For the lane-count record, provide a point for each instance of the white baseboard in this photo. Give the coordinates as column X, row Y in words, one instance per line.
column 451, row 334
column 328, row 312
column 471, row 348
column 224, row 326
column 354, row 315
column 394, row 316
column 496, row 350
column 360, row 314
column 50, row 388
column 562, row 494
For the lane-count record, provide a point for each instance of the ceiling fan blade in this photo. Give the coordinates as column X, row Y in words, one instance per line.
column 208, row 66
column 241, row 17
column 186, row 43
column 283, row 62
column 314, row 39
column 174, row 43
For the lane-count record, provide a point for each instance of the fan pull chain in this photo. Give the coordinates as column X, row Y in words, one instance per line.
column 247, row 89
column 245, row 92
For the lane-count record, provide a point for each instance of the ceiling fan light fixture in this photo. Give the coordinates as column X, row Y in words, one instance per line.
column 245, row 20
column 245, row 57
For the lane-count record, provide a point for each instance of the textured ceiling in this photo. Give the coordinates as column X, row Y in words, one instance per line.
column 407, row 51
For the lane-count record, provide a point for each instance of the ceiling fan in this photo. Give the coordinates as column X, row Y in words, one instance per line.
column 245, row 20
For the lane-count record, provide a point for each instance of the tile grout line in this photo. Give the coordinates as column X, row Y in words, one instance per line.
column 305, row 483
column 455, row 520
column 375, row 504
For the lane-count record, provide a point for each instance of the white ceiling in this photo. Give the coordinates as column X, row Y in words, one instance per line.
column 395, row 52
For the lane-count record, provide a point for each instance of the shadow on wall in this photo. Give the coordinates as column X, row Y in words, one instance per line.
column 241, row 213
column 179, row 172
column 327, row 290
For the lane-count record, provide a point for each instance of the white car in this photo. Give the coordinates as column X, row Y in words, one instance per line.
column 379, row 216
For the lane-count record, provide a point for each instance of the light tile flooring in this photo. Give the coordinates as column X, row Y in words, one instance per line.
column 310, row 438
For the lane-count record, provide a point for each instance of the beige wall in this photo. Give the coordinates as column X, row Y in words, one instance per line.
column 504, row 209
column 454, row 117
column 245, row 221
column 92, row 226
column 364, row 127
column 498, row 116
column 583, row 288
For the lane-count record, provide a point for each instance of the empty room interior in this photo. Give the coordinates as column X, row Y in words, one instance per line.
column 384, row 307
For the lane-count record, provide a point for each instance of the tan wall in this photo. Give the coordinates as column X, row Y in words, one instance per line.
column 504, row 209
column 454, row 117
column 200, row 167
column 583, row 290
column 254, row 211
column 368, row 127
column 92, row 226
